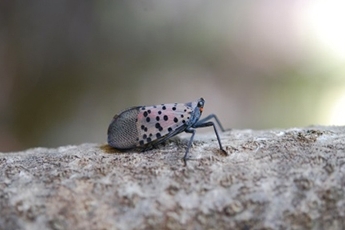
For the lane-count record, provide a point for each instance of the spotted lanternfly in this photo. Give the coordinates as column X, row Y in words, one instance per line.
column 146, row 127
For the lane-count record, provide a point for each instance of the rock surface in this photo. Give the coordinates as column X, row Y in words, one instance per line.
column 271, row 179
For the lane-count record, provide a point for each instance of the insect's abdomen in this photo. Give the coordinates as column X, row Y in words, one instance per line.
column 122, row 132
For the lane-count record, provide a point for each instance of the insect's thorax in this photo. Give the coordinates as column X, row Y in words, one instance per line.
column 195, row 114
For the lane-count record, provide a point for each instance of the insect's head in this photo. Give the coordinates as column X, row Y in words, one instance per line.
column 197, row 107
column 201, row 103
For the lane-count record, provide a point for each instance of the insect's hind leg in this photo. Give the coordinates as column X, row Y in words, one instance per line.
column 209, row 117
column 207, row 124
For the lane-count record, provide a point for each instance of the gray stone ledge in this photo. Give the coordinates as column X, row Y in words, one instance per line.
column 271, row 179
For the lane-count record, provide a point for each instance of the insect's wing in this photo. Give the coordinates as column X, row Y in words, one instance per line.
column 122, row 131
column 155, row 122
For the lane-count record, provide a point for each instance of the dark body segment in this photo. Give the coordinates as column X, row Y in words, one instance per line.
column 123, row 132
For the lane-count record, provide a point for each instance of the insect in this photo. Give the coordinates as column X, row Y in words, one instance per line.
column 146, row 127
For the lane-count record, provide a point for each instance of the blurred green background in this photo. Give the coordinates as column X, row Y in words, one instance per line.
column 66, row 67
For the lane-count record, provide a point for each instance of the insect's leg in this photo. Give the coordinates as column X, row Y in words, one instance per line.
column 147, row 148
column 209, row 117
column 192, row 131
column 168, row 136
column 207, row 124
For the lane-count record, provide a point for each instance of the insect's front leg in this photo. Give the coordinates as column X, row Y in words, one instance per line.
column 207, row 124
column 209, row 117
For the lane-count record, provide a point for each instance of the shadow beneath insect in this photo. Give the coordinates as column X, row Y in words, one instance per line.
column 111, row 150
column 108, row 149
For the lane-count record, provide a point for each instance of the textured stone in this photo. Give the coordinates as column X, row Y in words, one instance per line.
column 272, row 179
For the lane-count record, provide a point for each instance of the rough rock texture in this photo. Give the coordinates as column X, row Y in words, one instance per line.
column 272, row 179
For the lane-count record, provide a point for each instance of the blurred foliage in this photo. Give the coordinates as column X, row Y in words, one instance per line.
column 67, row 67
